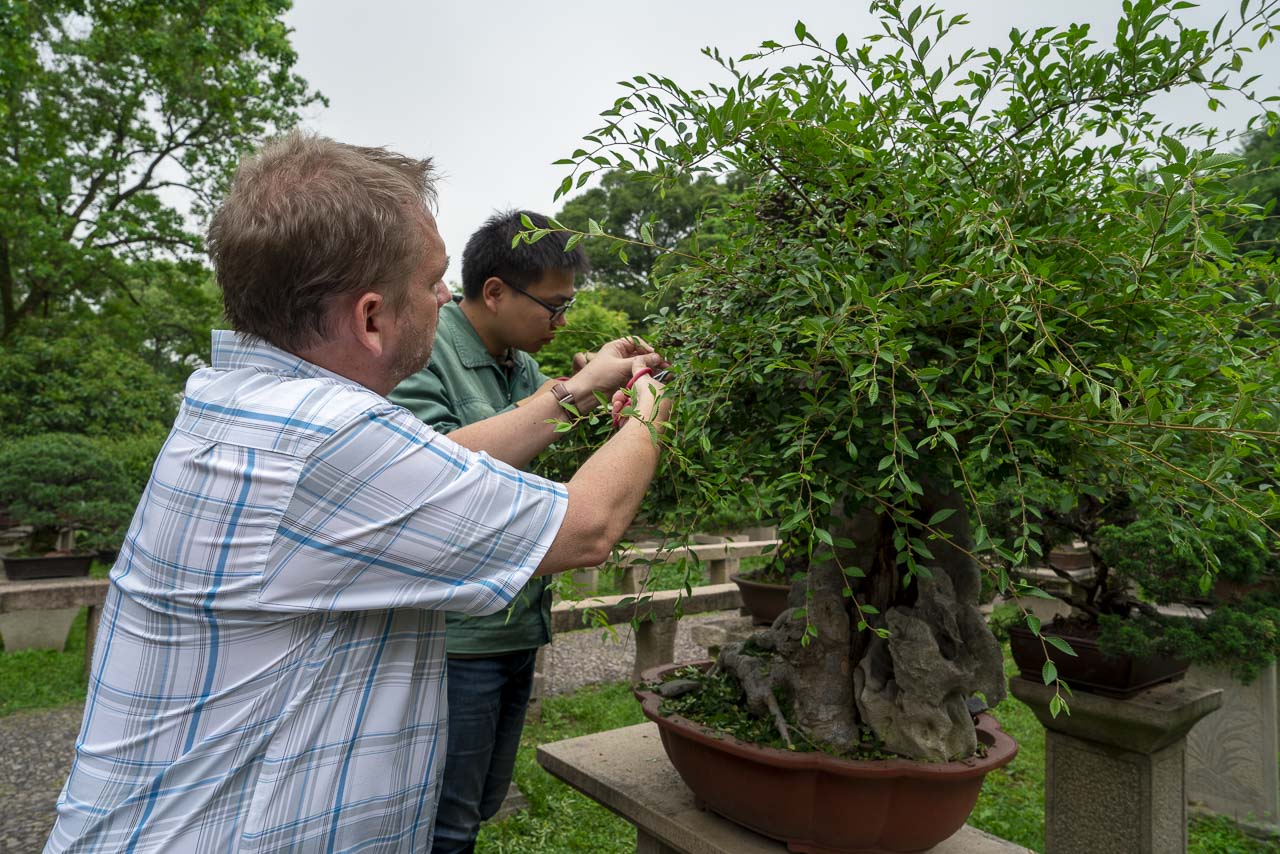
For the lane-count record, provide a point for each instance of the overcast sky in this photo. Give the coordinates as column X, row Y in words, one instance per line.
column 496, row 91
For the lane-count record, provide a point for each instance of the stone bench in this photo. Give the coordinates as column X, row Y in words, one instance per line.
column 656, row 615
column 27, row 599
column 722, row 559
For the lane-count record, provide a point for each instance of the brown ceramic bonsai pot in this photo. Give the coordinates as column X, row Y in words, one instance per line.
column 818, row 804
column 48, row 566
column 1119, row 676
column 765, row 601
column 1226, row 590
column 1070, row 559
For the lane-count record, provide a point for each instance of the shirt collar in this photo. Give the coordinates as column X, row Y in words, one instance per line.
column 236, row 350
column 466, row 341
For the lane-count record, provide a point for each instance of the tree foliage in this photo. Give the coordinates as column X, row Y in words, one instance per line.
column 117, row 119
column 951, row 273
column 1261, row 182
column 671, row 211
column 63, row 377
column 679, row 213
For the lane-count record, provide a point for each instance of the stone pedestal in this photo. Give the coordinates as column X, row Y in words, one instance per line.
column 634, row 576
column 1231, row 755
column 541, row 678
column 514, row 802
column 1115, row 770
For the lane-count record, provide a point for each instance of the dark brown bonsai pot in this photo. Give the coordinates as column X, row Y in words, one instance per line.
column 1118, row 676
column 48, row 566
column 820, row 804
column 764, row 600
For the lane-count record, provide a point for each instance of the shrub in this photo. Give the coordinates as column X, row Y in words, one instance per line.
column 57, row 481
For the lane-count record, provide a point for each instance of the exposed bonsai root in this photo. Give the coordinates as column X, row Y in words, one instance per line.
column 758, row 683
column 816, row 676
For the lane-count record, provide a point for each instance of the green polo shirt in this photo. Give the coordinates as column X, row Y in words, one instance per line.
column 463, row 384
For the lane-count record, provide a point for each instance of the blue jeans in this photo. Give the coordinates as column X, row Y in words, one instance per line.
column 487, row 702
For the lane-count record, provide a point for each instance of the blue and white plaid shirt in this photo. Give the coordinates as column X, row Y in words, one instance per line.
column 269, row 666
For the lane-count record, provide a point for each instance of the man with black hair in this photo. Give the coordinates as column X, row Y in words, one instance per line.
column 513, row 302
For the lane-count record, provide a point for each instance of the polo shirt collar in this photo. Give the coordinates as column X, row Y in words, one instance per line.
column 235, row 350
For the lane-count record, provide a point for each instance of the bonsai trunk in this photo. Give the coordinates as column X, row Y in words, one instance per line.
column 911, row 688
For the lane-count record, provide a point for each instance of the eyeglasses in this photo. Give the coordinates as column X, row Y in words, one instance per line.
column 557, row 311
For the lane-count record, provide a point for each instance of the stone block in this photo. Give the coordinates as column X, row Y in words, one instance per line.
column 586, row 580
column 713, row 634
column 655, row 644
column 514, row 802
column 37, row 629
column 719, row 571
column 633, row 578
column 1232, row 768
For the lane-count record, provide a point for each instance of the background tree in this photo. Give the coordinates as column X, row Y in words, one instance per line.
column 1261, row 180
column 948, row 274
column 679, row 212
column 117, row 119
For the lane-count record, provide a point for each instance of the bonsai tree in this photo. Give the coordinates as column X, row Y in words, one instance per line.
column 1140, row 564
column 59, row 482
column 944, row 273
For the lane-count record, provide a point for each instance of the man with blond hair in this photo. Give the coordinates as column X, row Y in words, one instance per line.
column 269, row 667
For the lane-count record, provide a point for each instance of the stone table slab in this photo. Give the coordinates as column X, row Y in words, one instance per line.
column 627, row 771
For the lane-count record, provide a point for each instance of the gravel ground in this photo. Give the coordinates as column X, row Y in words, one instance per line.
column 36, row 747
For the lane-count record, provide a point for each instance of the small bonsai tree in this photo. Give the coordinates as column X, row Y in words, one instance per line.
column 1141, row 565
column 947, row 272
column 58, row 482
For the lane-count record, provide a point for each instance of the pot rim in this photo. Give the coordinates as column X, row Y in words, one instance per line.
column 1000, row 751
column 751, row 582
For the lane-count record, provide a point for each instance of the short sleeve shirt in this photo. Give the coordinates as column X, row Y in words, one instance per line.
column 269, row 666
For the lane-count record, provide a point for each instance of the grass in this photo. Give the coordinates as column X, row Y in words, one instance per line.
column 559, row 820
column 44, row 678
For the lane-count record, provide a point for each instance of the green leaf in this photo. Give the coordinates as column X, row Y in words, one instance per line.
column 941, row 516
column 1049, row 673
column 1060, row 643
column 1216, row 243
